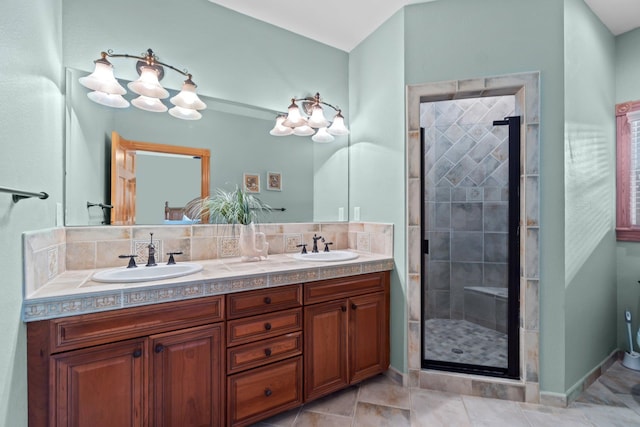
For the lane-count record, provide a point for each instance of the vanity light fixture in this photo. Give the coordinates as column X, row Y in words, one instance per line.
column 308, row 119
column 107, row 91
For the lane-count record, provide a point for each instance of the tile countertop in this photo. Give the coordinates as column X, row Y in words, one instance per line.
column 73, row 292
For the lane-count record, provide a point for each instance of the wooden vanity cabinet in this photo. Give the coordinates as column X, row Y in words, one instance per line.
column 346, row 332
column 264, row 353
column 232, row 359
column 159, row 365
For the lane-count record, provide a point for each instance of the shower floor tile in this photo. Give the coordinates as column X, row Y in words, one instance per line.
column 461, row 341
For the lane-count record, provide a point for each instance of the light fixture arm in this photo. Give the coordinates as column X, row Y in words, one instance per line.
column 316, row 100
column 149, row 58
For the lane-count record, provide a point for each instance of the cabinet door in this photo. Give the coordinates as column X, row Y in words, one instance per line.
column 368, row 336
column 100, row 386
column 325, row 348
column 188, row 373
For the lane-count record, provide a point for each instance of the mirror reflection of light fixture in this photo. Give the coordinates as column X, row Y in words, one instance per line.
column 107, row 91
column 310, row 120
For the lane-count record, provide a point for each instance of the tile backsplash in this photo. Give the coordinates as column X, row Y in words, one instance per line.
column 50, row 252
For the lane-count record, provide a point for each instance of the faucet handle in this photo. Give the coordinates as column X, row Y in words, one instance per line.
column 303, row 246
column 171, row 254
column 132, row 261
column 326, row 246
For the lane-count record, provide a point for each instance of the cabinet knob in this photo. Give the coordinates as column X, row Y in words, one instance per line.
column 343, row 308
column 267, row 300
column 137, row 353
column 159, row 348
column 267, row 326
column 267, row 392
column 267, row 352
column 354, row 306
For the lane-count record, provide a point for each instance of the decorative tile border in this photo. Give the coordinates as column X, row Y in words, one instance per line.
column 48, row 308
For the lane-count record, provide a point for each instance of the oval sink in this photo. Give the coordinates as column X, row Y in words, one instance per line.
column 145, row 274
column 327, row 256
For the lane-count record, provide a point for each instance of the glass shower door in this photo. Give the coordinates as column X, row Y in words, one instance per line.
column 470, row 222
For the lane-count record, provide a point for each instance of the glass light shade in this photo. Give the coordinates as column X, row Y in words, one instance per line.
column 102, row 79
column 317, row 119
column 338, row 127
column 322, row 136
column 185, row 113
column 108, row 99
column 148, row 85
column 279, row 129
column 188, row 98
column 303, row 130
column 149, row 104
column 294, row 118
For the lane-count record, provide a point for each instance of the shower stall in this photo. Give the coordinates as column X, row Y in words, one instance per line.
column 470, row 222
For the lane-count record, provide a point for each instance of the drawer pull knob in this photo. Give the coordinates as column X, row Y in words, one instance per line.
column 137, row 353
column 343, row 308
column 267, row 326
column 267, row 300
column 159, row 348
column 267, row 392
column 353, row 306
column 267, row 352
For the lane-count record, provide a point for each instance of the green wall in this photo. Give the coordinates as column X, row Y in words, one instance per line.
column 377, row 173
column 627, row 66
column 628, row 253
column 589, row 157
column 31, row 86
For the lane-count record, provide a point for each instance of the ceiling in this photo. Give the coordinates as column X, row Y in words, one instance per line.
column 344, row 24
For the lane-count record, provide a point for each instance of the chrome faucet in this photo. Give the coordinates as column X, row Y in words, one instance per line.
column 152, row 253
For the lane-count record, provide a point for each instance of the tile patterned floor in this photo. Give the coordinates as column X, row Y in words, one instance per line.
column 464, row 342
column 613, row 400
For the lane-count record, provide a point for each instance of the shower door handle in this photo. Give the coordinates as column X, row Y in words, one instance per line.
column 425, row 246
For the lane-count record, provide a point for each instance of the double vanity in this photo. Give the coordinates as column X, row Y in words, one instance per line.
column 230, row 343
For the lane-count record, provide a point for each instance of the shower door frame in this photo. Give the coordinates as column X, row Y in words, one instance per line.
column 512, row 371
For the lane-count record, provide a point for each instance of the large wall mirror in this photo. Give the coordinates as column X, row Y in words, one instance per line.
column 314, row 177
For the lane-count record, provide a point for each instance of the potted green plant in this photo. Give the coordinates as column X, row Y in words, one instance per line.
column 228, row 207
column 236, row 207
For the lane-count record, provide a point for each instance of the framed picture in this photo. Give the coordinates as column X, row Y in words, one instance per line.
column 274, row 181
column 251, row 182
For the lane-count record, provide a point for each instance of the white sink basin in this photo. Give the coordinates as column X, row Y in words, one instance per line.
column 327, row 256
column 145, row 274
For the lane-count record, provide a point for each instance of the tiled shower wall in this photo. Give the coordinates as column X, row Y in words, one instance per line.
column 466, row 201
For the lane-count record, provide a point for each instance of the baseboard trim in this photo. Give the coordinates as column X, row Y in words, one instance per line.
column 396, row 376
column 563, row 400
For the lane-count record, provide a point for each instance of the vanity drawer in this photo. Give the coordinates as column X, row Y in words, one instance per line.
column 242, row 331
column 263, row 301
column 259, row 353
column 100, row 328
column 259, row 393
column 327, row 290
